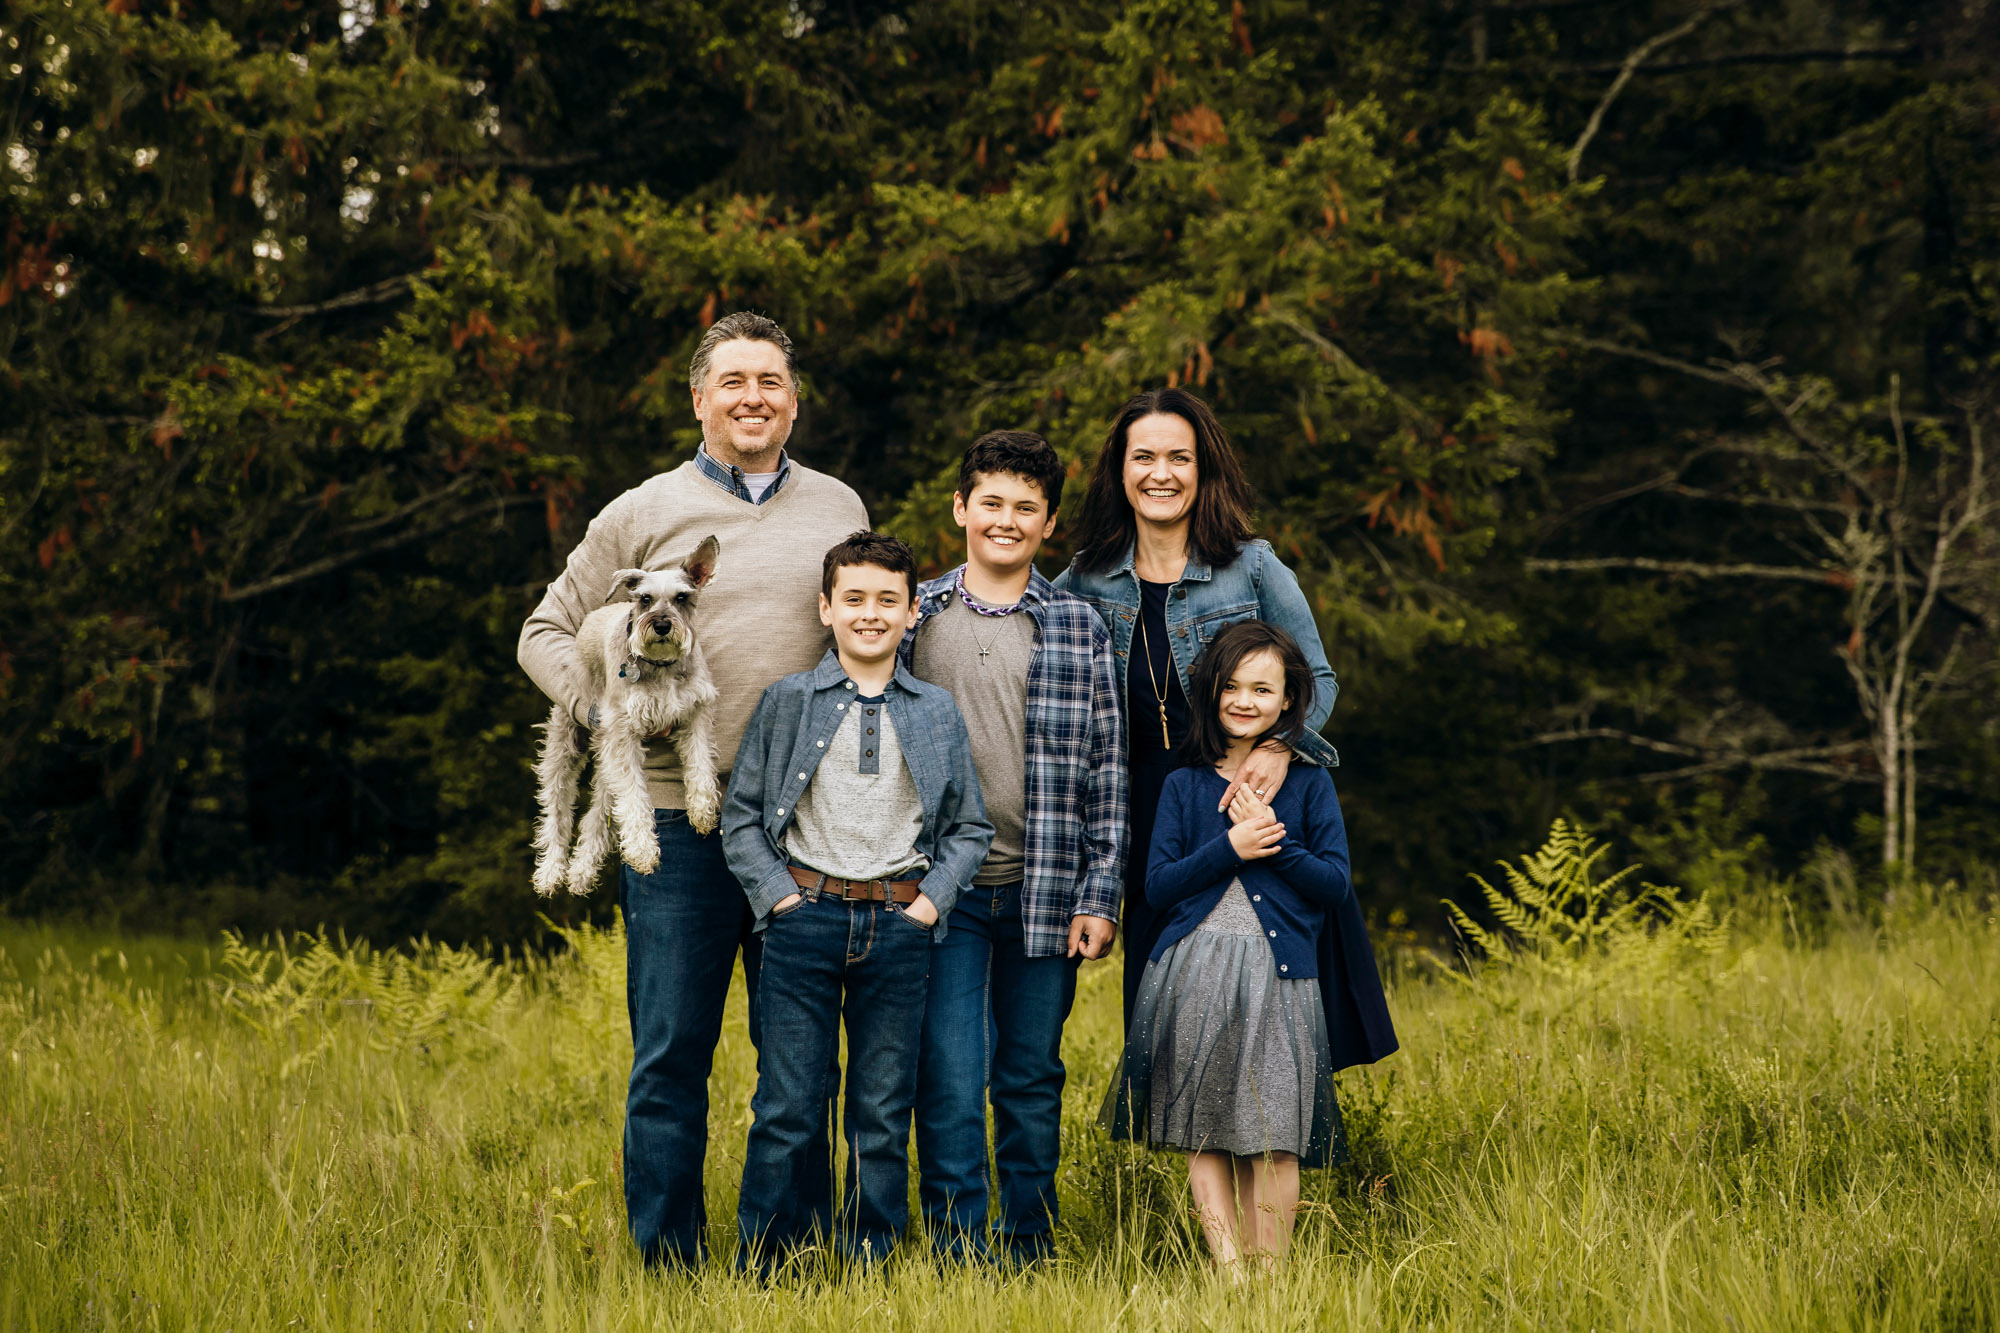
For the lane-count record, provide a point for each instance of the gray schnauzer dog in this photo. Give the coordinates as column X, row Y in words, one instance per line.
column 646, row 674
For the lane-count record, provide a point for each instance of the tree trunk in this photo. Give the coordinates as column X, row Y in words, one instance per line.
column 1890, row 750
column 1910, row 792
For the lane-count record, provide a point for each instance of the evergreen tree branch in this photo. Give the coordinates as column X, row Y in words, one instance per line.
column 1824, row 55
column 335, row 562
column 1708, row 373
column 404, row 511
column 1625, row 72
column 374, row 294
column 1611, row 734
column 1800, row 759
column 1693, row 568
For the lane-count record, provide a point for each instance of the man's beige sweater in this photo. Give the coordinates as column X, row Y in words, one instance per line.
column 759, row 617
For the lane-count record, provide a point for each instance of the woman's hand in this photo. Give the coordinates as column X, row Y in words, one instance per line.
column 1246, row 806
column 1262, row 773
column 1257, row 837
column 922, row 911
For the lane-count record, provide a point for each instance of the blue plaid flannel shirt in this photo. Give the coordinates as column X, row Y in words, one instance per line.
column 1077, row 788
column 730, row 477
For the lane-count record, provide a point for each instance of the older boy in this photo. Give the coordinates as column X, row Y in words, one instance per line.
column 1033, row 674
column 853, row 821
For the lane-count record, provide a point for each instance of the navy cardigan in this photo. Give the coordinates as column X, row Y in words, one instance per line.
column 1302, row 896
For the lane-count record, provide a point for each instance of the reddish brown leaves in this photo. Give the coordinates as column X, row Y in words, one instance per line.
column 478, row 324
column 1427, row 515
column 1198, row 128
column 1239, row 31
column 165, row 431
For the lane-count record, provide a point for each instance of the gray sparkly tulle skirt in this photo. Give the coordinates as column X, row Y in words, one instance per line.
column 1224, row 1055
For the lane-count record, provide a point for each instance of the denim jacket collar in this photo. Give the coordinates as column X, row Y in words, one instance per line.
column 1196, row 568
column 830, row 674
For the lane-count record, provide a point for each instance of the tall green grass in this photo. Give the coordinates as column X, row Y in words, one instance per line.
column 1779, row 1133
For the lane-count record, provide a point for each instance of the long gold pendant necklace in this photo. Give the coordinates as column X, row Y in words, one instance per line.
column 1159, row 694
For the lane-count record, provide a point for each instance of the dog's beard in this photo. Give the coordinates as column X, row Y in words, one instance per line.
column 660, row 646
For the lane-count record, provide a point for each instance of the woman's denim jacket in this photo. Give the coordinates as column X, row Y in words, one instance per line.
column 1254, row 586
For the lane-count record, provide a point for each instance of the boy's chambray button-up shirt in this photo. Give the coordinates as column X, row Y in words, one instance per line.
column 1076, row 836
column 789, row 735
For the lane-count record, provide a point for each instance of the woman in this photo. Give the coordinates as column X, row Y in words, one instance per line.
column 1166, row 556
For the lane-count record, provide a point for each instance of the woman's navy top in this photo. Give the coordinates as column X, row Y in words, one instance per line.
column 1149, row 675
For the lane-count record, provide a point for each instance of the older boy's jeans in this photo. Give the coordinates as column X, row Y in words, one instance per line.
column 994, row 1015
column 683, row 925
column 825, row 959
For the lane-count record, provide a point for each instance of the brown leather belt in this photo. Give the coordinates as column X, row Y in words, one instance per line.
column 865, row 890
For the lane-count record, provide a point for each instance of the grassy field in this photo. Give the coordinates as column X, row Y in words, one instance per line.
column 1784, row 1134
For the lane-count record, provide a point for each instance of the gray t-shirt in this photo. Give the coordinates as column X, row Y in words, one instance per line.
column 983, row 661
column 860, row 817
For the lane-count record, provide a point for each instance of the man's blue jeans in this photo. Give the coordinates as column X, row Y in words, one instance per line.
column 825, row 959
column 683, row 926
column 994, row 1015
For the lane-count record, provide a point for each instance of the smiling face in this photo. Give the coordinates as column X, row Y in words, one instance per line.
column 747, row 404
column 1006, row 520
column 1254, row 695
column 868, row 611
column 1160, row 474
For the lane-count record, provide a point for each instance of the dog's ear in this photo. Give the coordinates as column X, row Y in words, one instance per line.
column 623, row 584
column 700, row 567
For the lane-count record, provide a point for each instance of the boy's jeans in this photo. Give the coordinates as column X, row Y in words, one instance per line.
column 995, row 1015
column 683, row 925
column 823, row 959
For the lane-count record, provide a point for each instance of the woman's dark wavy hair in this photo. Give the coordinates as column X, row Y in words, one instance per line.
column 1207, row 743
column 1220, row 524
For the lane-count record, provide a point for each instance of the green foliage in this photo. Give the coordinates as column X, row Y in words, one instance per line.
column 1803, row 1140
column 325, row 327
column 431, row 998
column 1560, row 922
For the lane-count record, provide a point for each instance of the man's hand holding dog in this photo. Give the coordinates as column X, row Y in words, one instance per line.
column 583, row 733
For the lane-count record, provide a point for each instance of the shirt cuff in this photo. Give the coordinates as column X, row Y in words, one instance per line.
column 770, row 891
column 938, row 887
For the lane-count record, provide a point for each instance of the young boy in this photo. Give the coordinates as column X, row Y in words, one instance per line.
column 1036, row 679
column 853, row 820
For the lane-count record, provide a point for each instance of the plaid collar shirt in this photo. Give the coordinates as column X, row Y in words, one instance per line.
column 730, row 477
column 1077, row 789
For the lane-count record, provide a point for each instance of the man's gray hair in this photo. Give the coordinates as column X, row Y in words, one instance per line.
column 741, row 324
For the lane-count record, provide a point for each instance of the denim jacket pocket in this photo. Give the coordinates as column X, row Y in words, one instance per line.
column 1211, row 623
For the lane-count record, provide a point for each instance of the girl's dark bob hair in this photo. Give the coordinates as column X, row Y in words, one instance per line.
column 1207, row 744
column 1220, row 523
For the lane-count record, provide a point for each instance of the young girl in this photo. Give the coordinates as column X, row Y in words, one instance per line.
column 1228, row 1057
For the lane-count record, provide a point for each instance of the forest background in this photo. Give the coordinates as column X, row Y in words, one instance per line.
column 1619, row 378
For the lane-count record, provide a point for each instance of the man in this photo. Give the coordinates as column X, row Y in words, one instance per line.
column 684, row 923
